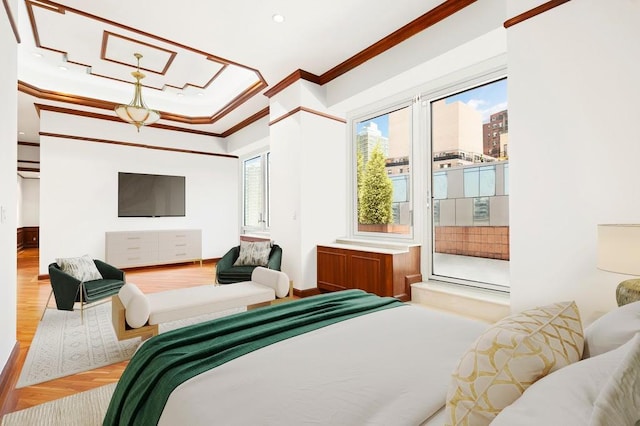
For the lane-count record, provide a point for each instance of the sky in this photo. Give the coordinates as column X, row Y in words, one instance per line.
column 487, row 99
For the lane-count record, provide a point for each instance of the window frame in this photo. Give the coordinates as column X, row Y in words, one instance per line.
column 428, row 243
column 265, row 177
column 353, row 122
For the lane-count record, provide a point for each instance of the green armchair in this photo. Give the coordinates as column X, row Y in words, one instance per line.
column 226, row 273
column 68, row 290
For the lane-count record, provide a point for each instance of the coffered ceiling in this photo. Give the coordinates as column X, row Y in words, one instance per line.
column 207, row 63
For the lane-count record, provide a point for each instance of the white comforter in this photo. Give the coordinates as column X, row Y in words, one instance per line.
column 391, row 367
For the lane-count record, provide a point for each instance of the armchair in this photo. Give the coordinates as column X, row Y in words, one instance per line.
column 68, row 290
column 226, row 273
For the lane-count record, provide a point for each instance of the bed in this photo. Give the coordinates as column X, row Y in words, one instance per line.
column 390, row 365
column 352, row 358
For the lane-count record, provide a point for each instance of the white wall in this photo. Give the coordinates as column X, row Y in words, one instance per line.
column 29, row 202
column 79, row 185
column 8, row 185
column 574, row 149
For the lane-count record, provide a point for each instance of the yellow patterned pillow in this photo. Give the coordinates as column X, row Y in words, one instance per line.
column 508, row 358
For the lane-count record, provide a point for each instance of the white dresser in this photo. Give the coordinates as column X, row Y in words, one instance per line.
column 128, row 249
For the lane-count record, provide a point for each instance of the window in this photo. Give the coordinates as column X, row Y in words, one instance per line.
column 383, row 180
column 469, row 217
column 479, row 181
column 255, row 189
column 439, row 185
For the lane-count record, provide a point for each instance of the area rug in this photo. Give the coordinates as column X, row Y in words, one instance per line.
column 63, row 345
column 81, row 409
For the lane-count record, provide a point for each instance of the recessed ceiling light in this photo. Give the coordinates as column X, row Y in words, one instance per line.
column 37, row 55
column 278, row 18
column 180, row 94
column 21, row 133
column 200, row 94
column 63, row 68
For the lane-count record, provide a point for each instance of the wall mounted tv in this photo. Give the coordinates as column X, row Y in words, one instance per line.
column 144, row 195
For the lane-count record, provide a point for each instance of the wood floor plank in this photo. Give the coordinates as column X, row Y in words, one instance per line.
column 32, row 296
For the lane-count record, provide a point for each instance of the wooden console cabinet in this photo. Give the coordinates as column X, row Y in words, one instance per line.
column 382, row 271
column 129, row 249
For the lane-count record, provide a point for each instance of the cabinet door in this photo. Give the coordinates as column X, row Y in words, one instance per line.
column 369, row 272
column 332, row 269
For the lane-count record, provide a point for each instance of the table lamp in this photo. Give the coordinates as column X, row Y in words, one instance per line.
column 619, row 251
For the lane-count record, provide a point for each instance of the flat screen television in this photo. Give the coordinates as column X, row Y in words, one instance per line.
column 145, row 195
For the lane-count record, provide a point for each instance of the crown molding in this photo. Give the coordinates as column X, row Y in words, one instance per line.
column 98, row 116
column 12, row 21
column 419, row 24
column 533, row 12
column 134, row 145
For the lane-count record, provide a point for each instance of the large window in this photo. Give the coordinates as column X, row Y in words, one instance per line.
column 469, row 186
column 383, row 181
column 456, row 143
column 255, row 182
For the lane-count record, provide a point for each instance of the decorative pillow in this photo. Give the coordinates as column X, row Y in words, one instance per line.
column 612, row 330
column 81, row 268
column 509, row 357
column 618, row 402
column 254, row 253
column 136, row 305
column 598, row 391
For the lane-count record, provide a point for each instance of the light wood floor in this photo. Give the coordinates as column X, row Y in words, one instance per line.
column 32, row 296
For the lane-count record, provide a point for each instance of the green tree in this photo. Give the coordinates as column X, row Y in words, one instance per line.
column 359, row 177
column 376, row 193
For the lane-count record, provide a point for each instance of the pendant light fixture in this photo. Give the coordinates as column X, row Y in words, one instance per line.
column 137, row 112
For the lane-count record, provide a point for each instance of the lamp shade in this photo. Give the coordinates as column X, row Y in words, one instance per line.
column 619, row 248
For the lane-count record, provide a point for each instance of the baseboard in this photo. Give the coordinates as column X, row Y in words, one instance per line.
column 306, row 293
column 8, row 379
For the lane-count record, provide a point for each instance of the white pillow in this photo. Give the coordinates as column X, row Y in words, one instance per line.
column 612, row 330
column 619, row 401
column 81, row 268
column 568, row 396
column 136, row 305
column 253, row 253
column 509, row 357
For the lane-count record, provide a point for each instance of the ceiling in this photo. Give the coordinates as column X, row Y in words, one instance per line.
column 207, row 64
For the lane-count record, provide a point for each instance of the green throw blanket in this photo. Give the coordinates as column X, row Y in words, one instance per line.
column 169, row 359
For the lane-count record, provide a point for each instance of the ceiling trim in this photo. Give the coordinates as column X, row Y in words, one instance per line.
column 290, row 79
column 28, row 169
column 419, row 24
column 28, row 143
column 80, row 100
column 12, row 21
column 102, row 104
column 44, row 107
column 135, row 145
column 533, row 12
column 244, row 123
column 105, row 42
column 310, row 111
column 63, row 9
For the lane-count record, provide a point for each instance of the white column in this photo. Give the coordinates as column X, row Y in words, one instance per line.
column 309, row 178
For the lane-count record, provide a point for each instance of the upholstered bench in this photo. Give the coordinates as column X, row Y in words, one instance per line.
column 137, row 314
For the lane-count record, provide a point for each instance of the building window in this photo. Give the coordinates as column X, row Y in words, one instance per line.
column 440, row 185
column 255, row 190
